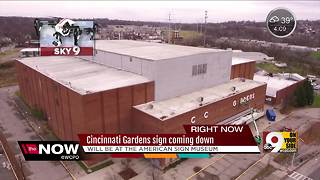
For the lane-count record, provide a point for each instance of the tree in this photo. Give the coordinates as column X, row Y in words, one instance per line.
column 299, row 95
column 309, row 92
column 304, row 94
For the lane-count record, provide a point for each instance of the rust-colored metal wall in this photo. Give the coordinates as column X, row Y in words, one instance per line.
column 217, row 111
column 244, row 70
column 70, row 113
column 286, row 93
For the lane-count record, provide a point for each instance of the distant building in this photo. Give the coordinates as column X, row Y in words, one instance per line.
column 280, row 65
column 257, row 56
column 279, row 87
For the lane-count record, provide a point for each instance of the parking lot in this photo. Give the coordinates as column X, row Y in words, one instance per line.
column 15, row 128
column 5, row 167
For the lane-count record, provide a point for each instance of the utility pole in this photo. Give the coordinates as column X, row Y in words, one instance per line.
column 197, row 27
column 205, row 27
column 169, row 29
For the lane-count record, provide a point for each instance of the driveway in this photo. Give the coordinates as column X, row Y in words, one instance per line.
column 16, row 128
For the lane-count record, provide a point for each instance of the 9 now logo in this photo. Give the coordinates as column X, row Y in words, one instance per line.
column 50, row 150
column 58, row 148
column 273, row 141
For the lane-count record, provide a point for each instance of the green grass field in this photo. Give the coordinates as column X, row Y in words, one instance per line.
column 7, row 74
column 7, row 68
column 269, row 67
column 316, row 102
column 316, row 55
column 292, row 68
column 190, row 34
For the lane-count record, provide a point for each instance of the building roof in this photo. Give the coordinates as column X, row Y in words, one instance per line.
column 82, row 76
column 29, row 49
column 185, row 103
column 274, row 84
column 238, row 60
column 150, row 50
column 257, row 56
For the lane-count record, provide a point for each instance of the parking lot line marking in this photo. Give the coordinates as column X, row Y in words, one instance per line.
column 297, row 176
column 205, row 167
column 249, row 168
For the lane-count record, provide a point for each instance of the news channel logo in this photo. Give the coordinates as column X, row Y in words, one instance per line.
column 65, row 37
column 51, row 150
column 280, row 142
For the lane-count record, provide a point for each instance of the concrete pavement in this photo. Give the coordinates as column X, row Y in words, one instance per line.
column 15, row 128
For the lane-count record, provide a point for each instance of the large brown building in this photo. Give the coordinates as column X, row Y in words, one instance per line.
column 280, row 87
column 138, row 87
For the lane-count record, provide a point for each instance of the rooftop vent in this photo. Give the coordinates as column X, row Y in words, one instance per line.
column 163, row 117
column 150, row 106
column 200, row 100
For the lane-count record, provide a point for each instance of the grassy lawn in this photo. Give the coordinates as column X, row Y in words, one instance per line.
column 9, row 55
column 292, row 68
column 269, row 67
column 7, row 74
column 9, row 52
column 7, row 68
column 316, row 55
column 316, row 102
column 190, row 34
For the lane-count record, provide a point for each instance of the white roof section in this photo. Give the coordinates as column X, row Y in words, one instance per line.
column 274, row 84
column 185, row 103
column 239, row 60
column 82, row 76
column 150, row 50
column 257, row 56
column 29, row 49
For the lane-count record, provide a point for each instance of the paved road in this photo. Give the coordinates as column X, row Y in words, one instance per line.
column 4, row 172
column 315, row 174
column 311, row 169
column 15, row 128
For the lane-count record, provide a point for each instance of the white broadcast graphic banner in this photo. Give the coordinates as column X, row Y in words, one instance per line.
column 171, row 149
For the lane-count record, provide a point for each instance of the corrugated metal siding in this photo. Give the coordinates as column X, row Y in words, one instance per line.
column 245, row 70
column 110, row 106
column 93, row 113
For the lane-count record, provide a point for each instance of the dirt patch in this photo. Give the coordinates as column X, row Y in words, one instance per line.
column 206, row 175
column 8, row 75
column 9, row 55
column 27, row 130
column 283, row 158
column 265, row 172
column 197, row 169
column 127, row 173
column 34, row 137
column 7, row 135
column 312, row 135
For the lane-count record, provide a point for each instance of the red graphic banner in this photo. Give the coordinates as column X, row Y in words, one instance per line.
column 66, row 51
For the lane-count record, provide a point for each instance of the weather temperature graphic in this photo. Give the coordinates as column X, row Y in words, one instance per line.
column 281, row 22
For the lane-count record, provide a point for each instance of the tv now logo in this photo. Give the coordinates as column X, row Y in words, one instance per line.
column 50, row 148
